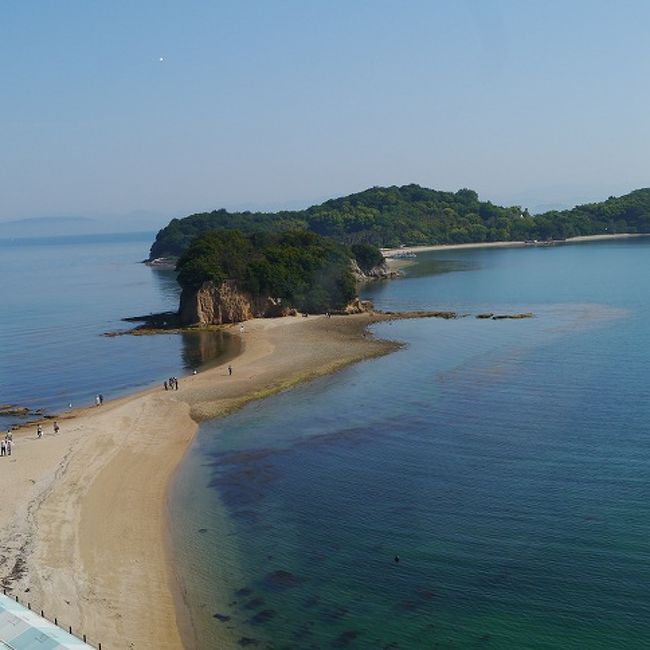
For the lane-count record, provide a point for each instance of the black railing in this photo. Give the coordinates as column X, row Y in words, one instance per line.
column 56, row 622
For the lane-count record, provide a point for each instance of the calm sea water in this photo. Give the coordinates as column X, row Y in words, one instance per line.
column 59, row 295
column 506, row 463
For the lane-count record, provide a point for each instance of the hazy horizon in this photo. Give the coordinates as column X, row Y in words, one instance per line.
column 151, row 221
column 133, row 115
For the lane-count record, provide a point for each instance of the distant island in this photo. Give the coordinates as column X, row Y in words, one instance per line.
column 412, row 215
column 238, row 265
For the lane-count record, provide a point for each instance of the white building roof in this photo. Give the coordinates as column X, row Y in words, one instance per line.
column 23, row 629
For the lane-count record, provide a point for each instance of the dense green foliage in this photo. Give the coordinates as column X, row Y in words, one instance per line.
column 390, row 216
column 305, row 270
column 367, row 256
column 624, row 214
column 172, row 240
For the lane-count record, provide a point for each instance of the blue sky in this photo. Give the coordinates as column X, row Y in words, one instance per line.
column 285, row 103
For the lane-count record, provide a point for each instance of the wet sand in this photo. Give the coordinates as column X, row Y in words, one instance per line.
column 84, row 519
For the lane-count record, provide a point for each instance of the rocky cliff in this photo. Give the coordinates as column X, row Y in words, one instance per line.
column 380, row 272
column 214, row 304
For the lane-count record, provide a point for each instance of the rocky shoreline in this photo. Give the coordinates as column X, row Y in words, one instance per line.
column 169, row 322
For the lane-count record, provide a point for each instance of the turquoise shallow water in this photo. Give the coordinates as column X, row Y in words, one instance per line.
column 59, row 295
column 507, row 463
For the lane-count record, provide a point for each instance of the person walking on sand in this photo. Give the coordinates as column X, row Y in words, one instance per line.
column 241, row 328
column 3, row 448
column 229, row 370
column 101, row 399
column 97, row 402
column 9, row 445
column 39, row 431
column 56, row 427
column 165, row 384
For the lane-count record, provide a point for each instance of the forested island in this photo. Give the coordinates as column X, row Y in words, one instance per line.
column 237, row 265
column 414, row 215
column 230, row 276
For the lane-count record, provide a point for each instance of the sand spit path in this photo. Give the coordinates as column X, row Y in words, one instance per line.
column 83, row 520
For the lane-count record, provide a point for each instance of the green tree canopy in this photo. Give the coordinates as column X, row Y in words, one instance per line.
column 411, row 215
column 305, row 270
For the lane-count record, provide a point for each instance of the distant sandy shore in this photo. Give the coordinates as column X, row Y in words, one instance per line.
column 389, row 252
column 84, row 523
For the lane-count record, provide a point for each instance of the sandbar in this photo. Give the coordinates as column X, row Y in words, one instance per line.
column 84, row 522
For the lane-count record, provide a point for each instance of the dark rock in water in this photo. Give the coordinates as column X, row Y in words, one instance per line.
column 203, row 530
column 262, row 617
column 487, row 315
column 224, row 618
column 12, row 409
column 246, row 641
column 345, row 638
column 511, row 316
column 255, row 603
column 282, row 580
column 243, row 592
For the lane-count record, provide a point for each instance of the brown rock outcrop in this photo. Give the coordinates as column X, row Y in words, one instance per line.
column 214, row 304
column 357, row 306
column 380, row 272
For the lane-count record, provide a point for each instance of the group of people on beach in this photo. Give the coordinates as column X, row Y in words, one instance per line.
column 171, row 383
column 7, row 444
column 39, row 429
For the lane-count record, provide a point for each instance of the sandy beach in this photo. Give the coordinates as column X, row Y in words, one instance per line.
column 84, row 520
column 389, row 252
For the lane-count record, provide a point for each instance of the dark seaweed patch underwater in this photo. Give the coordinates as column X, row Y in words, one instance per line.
column 506, row 463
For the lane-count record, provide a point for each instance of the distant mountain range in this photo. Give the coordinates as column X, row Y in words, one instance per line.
column 80, row 225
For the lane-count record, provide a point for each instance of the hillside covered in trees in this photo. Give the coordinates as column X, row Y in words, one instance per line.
column 412, row 215
column 302, row 269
